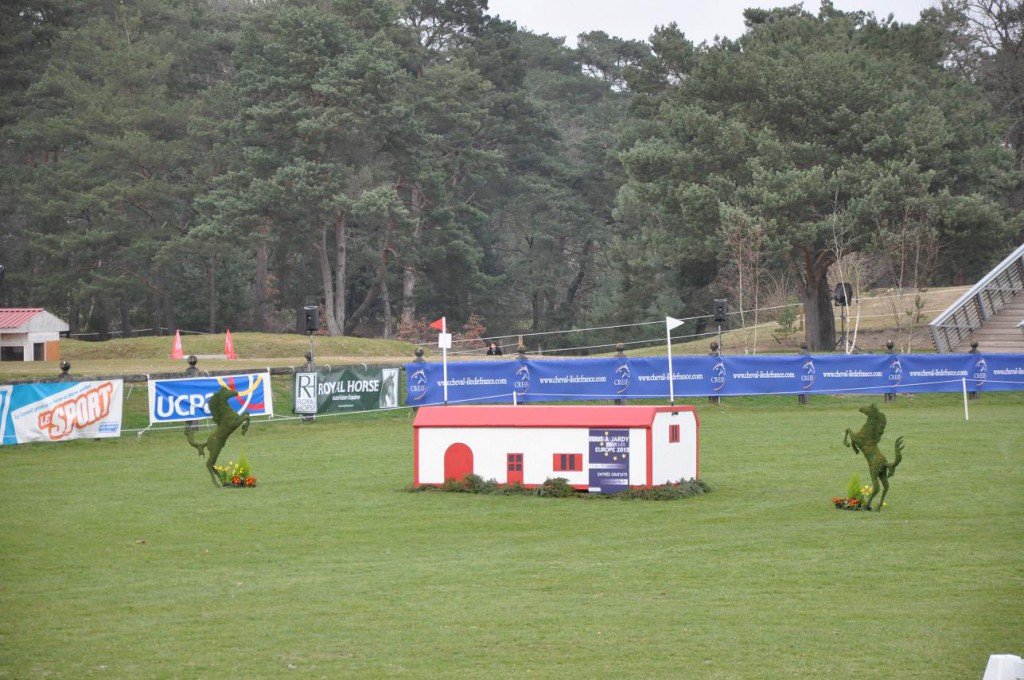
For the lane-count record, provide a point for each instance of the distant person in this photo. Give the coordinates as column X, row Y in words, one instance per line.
column 493, row 350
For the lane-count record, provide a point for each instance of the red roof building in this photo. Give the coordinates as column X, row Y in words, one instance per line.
column 30, row 334
column 601, row 449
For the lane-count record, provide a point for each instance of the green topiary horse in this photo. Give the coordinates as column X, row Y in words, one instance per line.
column 866, row 441
column 227, row 421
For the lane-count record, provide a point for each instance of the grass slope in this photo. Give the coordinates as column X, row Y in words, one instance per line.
column 255, row 350
column 118, row 559
column 875, row 318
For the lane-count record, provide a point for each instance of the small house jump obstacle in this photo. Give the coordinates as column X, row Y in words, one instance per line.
column 601, row 449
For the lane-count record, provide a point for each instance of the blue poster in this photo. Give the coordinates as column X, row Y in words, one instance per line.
column 647, row 377
column 181, row 399
column 609, row 460
column 704, row 376
column 564, row 379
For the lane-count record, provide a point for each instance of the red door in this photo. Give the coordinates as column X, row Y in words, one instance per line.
column 515, row 468
column 458, row 461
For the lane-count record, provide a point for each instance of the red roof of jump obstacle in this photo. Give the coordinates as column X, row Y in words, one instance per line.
column 540, row 416
column 16, row 318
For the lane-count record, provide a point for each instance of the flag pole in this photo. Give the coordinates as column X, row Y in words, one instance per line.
column 671, row 323
column 671, row 374
column 967, row 415
column 444, row 358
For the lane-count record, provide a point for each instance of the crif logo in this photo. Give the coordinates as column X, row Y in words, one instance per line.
column 895, row 372
column 980, row 372
column 417, row 385
column 522, row 382
column 621, row 380
column 807, row 374
column 718, row 376
column 305, row 392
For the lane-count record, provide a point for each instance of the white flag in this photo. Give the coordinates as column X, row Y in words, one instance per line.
column 671, row 323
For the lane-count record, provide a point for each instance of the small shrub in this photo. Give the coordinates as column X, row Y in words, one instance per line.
column 476, row 484
column 786, row 320
column 236, row 474
column 669, row 492
column 856, row 495
column 515, row 489
column 452, row 484
column 559, row 487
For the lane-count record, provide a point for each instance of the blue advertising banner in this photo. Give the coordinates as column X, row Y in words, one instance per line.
column 51, row 412
column 181, row 399
column 704, row 376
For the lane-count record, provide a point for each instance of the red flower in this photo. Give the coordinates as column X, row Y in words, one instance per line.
column 237, row 481
column 250, row 481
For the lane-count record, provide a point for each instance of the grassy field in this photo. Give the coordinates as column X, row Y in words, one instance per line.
column 119, row 559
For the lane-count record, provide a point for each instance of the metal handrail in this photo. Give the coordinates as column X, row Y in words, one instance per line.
column 1006, row 277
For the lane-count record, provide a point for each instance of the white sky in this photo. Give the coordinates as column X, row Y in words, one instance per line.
column 697, row 19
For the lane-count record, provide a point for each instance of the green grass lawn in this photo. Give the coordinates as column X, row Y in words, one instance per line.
column 119, row 559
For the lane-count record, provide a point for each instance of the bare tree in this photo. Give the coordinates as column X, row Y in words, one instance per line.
column 841, row 246
column 909, row 252
column 744, row 238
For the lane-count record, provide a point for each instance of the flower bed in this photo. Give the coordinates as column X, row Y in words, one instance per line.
column 856, row 496
column 236, row 475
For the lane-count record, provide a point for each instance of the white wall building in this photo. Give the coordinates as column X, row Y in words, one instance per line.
column 30, row 334
column 598, row 448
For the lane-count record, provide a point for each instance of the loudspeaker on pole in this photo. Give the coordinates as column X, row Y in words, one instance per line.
column 843, row 294
column 720, row 310
column 312, row 315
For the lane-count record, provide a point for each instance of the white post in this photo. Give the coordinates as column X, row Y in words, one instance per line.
column 671, row 323
column 967, row 416
column 444, row 356
column 671, row 373
column 444, row 341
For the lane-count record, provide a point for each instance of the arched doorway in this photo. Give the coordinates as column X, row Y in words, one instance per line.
column 458, row 461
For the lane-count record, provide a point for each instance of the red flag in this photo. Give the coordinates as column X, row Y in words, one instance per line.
column 229, row 347
column 439, row 324
column 176, row 351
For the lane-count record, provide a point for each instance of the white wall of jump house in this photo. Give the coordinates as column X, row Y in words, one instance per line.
column 30, row 334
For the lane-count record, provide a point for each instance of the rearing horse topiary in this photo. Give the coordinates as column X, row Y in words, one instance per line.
column 866, row 441
column 227, row 421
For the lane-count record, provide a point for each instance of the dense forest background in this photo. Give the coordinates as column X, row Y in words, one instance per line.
column 203, row 164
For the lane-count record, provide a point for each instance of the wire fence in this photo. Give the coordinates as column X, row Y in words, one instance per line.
column 735, row 320
column 636, row 335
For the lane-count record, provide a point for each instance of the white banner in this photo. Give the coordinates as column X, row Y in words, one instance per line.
column 51, row 412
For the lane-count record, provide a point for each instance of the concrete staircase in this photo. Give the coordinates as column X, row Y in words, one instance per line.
column 1003, row 332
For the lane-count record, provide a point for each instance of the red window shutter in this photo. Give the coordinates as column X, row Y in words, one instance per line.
column 567, row 462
